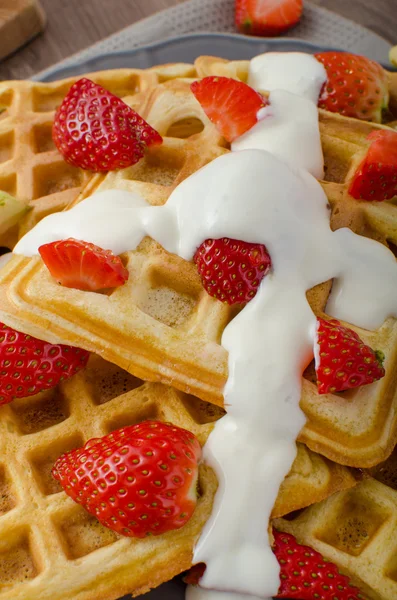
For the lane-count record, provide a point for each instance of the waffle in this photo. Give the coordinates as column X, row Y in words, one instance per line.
column 357, row 530
column 238, row 69
column 162, row 326
column 30, row 167
column 50, row 548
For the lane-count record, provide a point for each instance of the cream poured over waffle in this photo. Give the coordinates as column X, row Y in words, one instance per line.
column 272, row 198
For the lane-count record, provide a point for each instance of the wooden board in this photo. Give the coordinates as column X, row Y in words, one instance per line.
column 20, row 21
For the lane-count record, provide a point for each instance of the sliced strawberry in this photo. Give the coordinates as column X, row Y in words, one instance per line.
column 95, row 130
column 376, row 177
column 267, row 17
column 231, row 270
column 304, row 574
column 84, row 266
column 138, row 481
column 230, row 104
column 29, row 365
column 356, row 86
column 342, row 359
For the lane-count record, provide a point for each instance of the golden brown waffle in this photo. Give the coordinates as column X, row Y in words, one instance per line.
column 30, row 166
column 50, row 548
column 162, row 326
column 238, row 69
column 357, row 530
column 344, row 143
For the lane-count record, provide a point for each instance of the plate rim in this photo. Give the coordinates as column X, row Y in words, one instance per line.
column 60, row 71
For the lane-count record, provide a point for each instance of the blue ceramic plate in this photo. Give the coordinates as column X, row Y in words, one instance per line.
column 185, row 48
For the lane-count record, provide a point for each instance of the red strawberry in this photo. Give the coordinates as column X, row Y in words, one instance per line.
column 231, row 270
column 29, row 365
column 376, row 177
column 84, row 266
column 342, row 359
column 356, row 86
column 138, row 481
column 304, row 574
column 95, row 130
column 267, row 17
column 230, row 104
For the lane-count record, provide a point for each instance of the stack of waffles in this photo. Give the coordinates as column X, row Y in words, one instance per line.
column 156, row 354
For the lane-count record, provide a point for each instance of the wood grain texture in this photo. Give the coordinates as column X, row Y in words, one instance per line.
column 75, row 24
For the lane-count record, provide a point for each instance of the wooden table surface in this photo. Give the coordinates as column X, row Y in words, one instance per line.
column 75, row 24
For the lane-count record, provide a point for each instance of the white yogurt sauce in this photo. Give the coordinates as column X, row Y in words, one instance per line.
column 255, row 196
column 295, row 72
column 288, row 128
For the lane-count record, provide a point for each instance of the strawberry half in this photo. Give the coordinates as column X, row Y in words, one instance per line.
column 29, row 366
column 231, row 270
column 138, row 481
column 95, row 130
column 230, row 104
column 304, row 574
column 267, row 17
column 356, row 86
column 84, row 266
column 342, row 359
column 376, row 177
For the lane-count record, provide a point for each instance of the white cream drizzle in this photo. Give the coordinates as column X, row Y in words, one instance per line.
column 254, row 196
column 288, row 128
column 298, row 73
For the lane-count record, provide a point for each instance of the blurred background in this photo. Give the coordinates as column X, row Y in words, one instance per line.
column 46, row 31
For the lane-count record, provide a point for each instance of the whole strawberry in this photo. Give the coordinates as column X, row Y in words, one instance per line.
column 78, row 264
column 29, row 365
column 231, row 270
column 95, row 130
column 267, row 17
column 356, row 86
column 342, row 359
column 376, row 176
column 230, row 104
column 304, row 574
column 138, row 481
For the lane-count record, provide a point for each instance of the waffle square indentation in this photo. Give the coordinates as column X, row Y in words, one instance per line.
column 7, row 497
column 6, row 146
column 120, row 86
column 44, row 457
column 201, row 412
column 168, row 295
column 160, row 166
column 386, row 472
column 58, row 177
column 6, row 99
column 9, row 184
column 82, row 534
column 185, row 128
column 17, row 564
column 355, row 524
column 40, row 411
column 46, row 99
column 108, row 381
column 148, row 411
column 42, row 138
